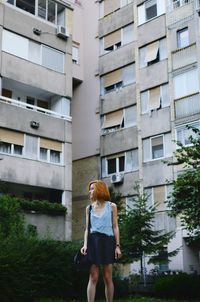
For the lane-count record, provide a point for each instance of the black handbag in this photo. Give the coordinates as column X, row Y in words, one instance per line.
column 82, row 261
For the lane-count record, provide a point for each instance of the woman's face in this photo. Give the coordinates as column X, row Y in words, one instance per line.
column 92, row 191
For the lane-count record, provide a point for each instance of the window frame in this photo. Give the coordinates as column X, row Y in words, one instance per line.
column 151, row 147
column 180, row 42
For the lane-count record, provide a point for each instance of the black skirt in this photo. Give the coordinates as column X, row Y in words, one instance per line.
column 101, row 248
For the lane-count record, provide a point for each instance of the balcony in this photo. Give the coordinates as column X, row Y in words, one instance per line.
column 184, row 56
column 179, row 10
column 34, row 108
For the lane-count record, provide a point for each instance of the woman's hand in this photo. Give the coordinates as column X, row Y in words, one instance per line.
column 84, row 250
column 118, row 253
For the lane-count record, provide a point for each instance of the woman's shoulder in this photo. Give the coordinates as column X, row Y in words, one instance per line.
column 113, row 205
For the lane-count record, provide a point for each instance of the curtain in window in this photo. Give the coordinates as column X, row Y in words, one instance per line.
column 146, row 149
column 154, row 98
column 131, row 160
column 15, row 44
column 128, row 34
column 128, row 74
column 112, row 39
column 186, row 83
column 34, row 52
column 130, row 116
column 31, row 146
column 164, row 96
column 159, row 197
column 187, row 106
column 168, row 144
column 152, row 51
column 110, row 6
column 52, row 58
column 144, row 98
column 113, row 119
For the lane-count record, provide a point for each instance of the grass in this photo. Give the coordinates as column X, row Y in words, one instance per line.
column 123, row 300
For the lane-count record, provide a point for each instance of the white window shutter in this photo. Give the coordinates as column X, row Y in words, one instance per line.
column 146, row 150
column 160, row 7
column 141, row 14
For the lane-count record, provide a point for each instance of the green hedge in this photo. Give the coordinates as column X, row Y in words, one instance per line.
column 180, row 286
column 42, row 206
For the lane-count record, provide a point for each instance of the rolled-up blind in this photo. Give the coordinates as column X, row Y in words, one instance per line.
column 113, row 77
column 112, row 39
column 50, row 144
column 110, row 6
column 12, row 137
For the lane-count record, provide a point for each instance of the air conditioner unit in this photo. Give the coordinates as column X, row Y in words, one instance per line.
column 116, row 178
column 62, row 32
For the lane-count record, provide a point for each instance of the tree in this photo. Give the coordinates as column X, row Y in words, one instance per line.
column 185, row 197
column 138, row 235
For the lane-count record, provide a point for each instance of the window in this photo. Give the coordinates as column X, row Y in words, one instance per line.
column 149, row 10
column 125, row 2
column 50, row 150
column 48, row 10
column 182, row 38
column 155, row 98
column 31, row 146
column 75, row 54
column 183, row 133
column 116, row 39
column 127, row 162
column 115, row 165
column 117, row 79
column 186, row 83
column 11, row 142
column 110, row 6
column 179, row 3
column 157, row 147
column 119, row 119
column 32, row 51
column 128, row 34
column 153, row 53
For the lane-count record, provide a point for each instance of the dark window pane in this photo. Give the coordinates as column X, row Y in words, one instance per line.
column 18, row 149
column 157, row 151
column 151, row 12
column 121, row 163
column 27, row 5
column 111, row 166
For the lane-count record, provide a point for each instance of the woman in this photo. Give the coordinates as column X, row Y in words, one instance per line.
column 101, row 239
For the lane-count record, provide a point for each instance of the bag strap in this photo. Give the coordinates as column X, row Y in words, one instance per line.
column 89, row 218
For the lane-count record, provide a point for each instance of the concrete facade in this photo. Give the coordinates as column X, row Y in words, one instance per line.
column 35, row 118
column 140, row 108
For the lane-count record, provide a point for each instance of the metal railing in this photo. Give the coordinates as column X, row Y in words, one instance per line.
column 34, row 108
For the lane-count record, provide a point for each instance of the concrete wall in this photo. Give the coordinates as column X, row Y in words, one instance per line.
column 118, row 99
column 84, row 170
column 121, row 57
column 151, row 31
column 152, row 76
column 48, row 226
column 85, row 103
column 159, row 121
column 117, row 20
column 119, row 141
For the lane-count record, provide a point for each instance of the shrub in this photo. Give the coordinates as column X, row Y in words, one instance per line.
column 178, row 286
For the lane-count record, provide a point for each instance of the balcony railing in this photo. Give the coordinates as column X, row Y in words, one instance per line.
column 40, row 110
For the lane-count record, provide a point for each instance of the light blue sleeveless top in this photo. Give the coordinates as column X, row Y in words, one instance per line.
column 102, row 223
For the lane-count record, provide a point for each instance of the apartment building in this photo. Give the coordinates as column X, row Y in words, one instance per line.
column 148, row 73
column 36, row 91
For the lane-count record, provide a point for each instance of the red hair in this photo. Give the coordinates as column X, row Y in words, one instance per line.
column 101, row 191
